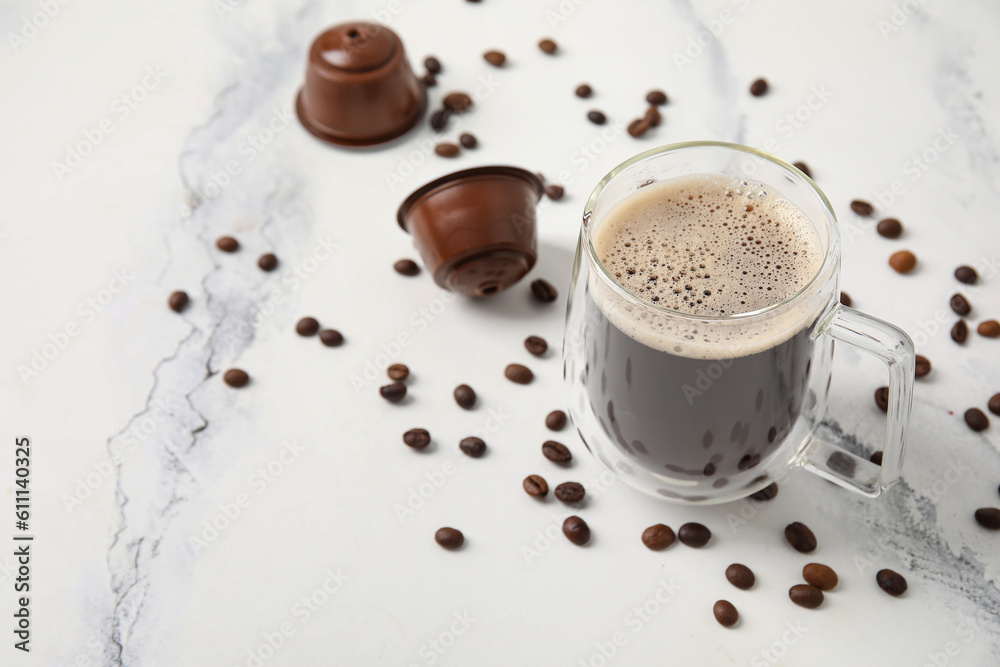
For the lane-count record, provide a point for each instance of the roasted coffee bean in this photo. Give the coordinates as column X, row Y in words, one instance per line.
column 694, row 535
column 307, row 326
column 468, row 140
column 536, row 345
column 495, row 58
column 406, row 267
column 331, row 338
column 800, row 537
column 556, row 452
column 570, row 492
column 584, row 91
column 806, row 595
column 548, row 46
column 845, row 299
column 544, row 291
column 457, row 102
column 472, row 446
column 891, row 582
column 439, row 119
column 394, row 392
column 960, row 331
column 432, row 65
column 989, row 328
column 903, row 261
column 638, row 127
column 977, row 419
column 446, row 149
column 596, row 117
column 429, row 80
column 235, row 377
column 862, row 208
column 398, row 372
column 966, row 274
column 988, row 517
column 658, row 537
column 227, row 244
column 758, row 87
column 555, row 420
column 178, row 301
column 449, row 538
column 923, row 366
column 535, row 486
column 820, row 576
column 725, row 613
column 268, row 262
column 767, row 493
column 994, row 404
column 803, row 167
column 519, row 374
column 882, row 398
column 876, row 458
column 656, row 97
column 554, row 192
column 741, row 576
column 653, row 117
column 576, row 530
column 418, row 438
column 890, row 228
column 960, row 305
column 465, row 396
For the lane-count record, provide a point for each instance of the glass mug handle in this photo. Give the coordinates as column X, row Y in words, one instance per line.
column 890, row 344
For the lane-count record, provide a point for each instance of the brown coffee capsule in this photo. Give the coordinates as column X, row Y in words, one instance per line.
column 359, row 88
column 475, row 228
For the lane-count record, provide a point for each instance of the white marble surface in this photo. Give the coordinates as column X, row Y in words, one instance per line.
column 137, row 442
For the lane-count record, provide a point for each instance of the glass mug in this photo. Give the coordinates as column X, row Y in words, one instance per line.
column 715, row 428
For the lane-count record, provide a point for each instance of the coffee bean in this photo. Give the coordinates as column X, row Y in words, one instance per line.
column 694, row 535
column 331, row 338
column 994, row 404
column 418, row 438
column 439, row 119
column 960, row 305
column 398, row 372
column 472, row 446
column 307, row 326
column 758, row 87
column 432, row 65
column 845, row 299
column 556, row 452
column 536, row 345
column 576, row 530
column 767, row 493
column 465, row 396
column 495, row 58
column 519, row 374
column 449, row 538
column 446, row 149
column 820, row 576
column 741, row 576
column 800, row 537
column 890, row 228
column 584, row 91
column 535, row 486
column 988, row 517
column 178, row 301
column 457, row 102
column 658, row 537
column 977, row 419
column 554, row 192
column 989, row 328
column 806, row 595
column 923, row 366
column 876, row 458
column 570, row 492
column 227, row 244
column 653, row 117
column 803, row 167
column 862, row 208
column 882, row 398
column 960, row 331
column 394, row 392
column 268, row 262
column 891, row 582
column 429, row 80
column 656, row 98
column 966, row 274
column 903, row 261
column 596, row 117
column 725, row 613
column 548, row 46
column 406, row 267
column 544, row 291
column 235, row 377
column 638, row 127
column 555, row 420
column 468, row 140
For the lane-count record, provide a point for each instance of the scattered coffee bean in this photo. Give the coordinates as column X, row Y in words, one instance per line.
column 584, row 91
column 882, row 398
column 994, row 404
column 307, row 326
column 178, row 301
column 903, row 261
column 406, row 267
column 656, row 97
column 535, row 486
column 767, row 493
column 694, row 535
column 555, row 420
column 398, row 372
column 556, row 452
column 653, row 117
column 576, row 530
column 519, row 374
column 820, row 576
column 891, row 582
column 803, row 167
column 638, row 127
column 890, row 228
column 960, row 331
column 862, row 208
column 331, row 338
column 845, row 299
column 988, row 517
column 465, row 396
column 495, row 58
column 876, row 458
column 536, row 345
column 725, row 613
column 449, row 538
column 800, row 537
column 548, row 46
column 268, row 262
column 472, row 446
column 432, row 65
column 658, row 537
column 554, row 192
column 544, row 291
column 394, row 392
column 418, row 438
column 960, row 305
column 923, row 366
column 570, row 492
column 457, row 102
column 439, row 119
column 989, row 328
column 429, row 80
column 235, row 377
column 227, row 244
column 758, row 87
column 977, row 419
column 468, row 140
column 806, row 595
column 447, row 149
column 741, row 576
column 596, row 117
column 966, row 274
